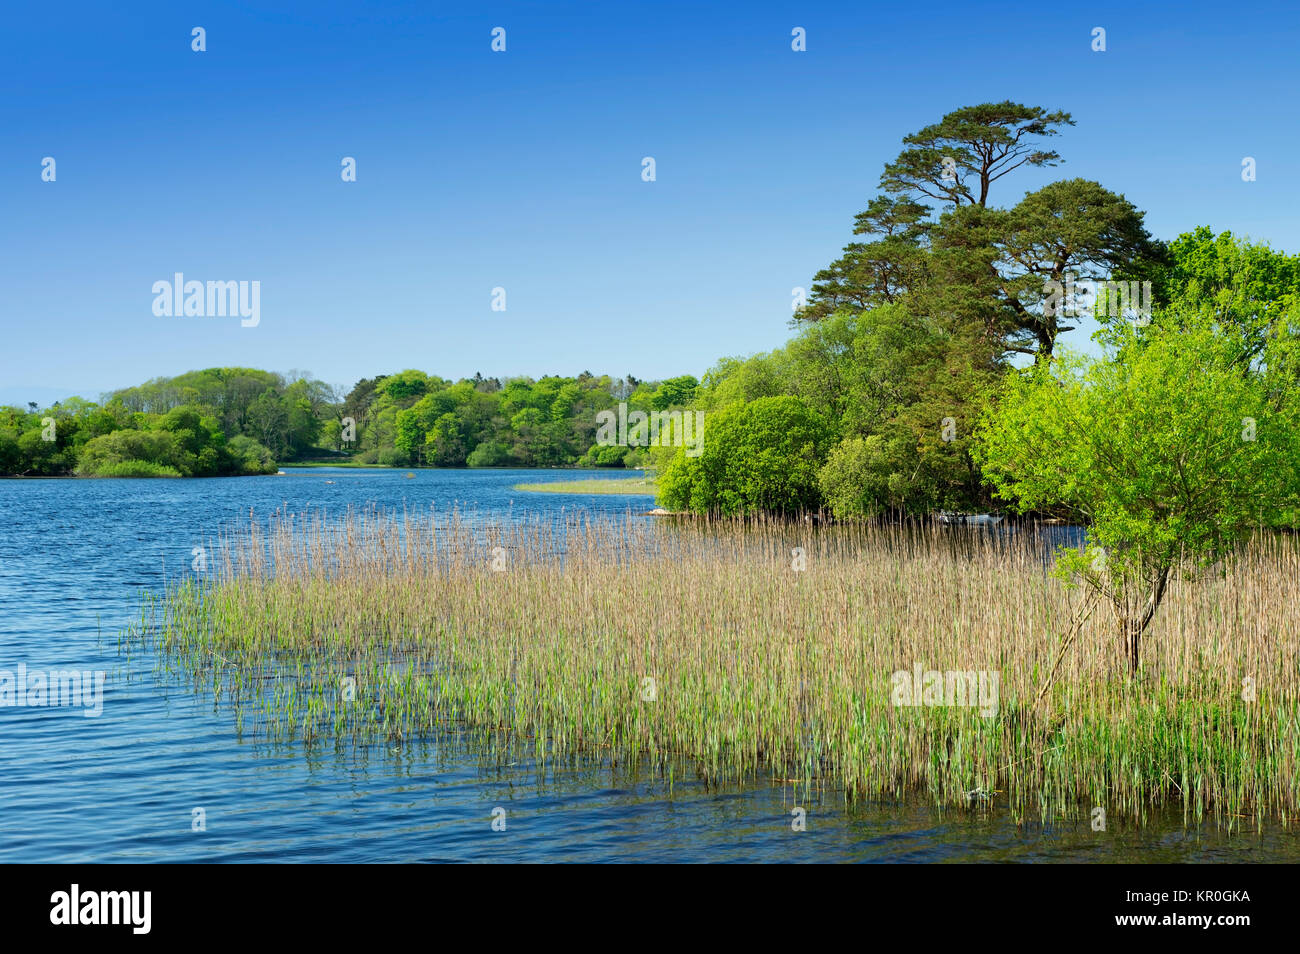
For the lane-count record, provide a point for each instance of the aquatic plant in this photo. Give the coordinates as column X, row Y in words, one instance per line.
column 751, row 650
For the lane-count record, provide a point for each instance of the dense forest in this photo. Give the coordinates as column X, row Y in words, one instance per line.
column 928, row 326
column 232, row 421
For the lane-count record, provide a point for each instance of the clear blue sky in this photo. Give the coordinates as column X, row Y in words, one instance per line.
column 523, row 169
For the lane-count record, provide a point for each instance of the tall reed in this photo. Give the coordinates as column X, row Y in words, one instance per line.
column 700, row 647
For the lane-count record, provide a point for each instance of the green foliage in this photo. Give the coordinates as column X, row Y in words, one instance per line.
column 180, row 443
column 11, row 455
column 675, row 392
column 1074, row 227
column 485, row 423
column 407, row 384
column 284, row 415
column 1248, row 287
column 1171, row 449
column 756, row 457
column 610, row 456
column 249, row 457
column 905, row 337
column 136, row 468
column 490, row 454
column 855, row 481
column 879, row 272
column 885, row 380
column 983, row 144
column 104, row 455
column 239, row 420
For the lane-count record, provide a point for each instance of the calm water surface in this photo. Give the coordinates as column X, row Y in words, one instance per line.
column 74, row 557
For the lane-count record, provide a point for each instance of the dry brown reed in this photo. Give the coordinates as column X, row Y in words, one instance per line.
column 698, row 646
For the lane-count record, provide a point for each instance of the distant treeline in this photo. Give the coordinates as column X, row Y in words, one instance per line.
column 231, row 421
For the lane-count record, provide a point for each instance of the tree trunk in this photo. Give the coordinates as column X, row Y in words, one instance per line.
column 1131, row 640
column 1131, row 628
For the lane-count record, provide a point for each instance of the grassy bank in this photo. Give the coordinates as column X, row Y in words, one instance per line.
column 343, row 462
column 704, row 651
column 624, row 485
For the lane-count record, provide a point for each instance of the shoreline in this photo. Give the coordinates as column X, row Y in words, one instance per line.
column 614, row 486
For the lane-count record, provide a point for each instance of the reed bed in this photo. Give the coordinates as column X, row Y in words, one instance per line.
column 631, row 486
column 698, row 647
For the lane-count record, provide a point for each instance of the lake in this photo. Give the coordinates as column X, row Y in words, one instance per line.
column 75, row 556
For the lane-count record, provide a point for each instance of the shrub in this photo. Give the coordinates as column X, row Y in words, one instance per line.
column 851, row 482
column 601, row 456
column 490, row 454
column 1173, row 448
column 250, row 457
column 135, row 468
column 761, row 456
column 102, row 454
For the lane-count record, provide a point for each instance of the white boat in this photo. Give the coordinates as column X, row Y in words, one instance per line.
column 970, row 519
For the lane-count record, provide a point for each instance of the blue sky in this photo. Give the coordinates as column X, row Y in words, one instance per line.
column 522, row 169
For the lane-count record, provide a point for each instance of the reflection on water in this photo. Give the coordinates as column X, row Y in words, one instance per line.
column 74, row 556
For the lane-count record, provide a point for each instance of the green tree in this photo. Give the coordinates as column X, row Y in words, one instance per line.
column 491, row 454
column 757, row 457
column 1247, row 286
column 879, row 272
column 982, row 143
column 675, row 392
column 159, row 451
column 247, row 456
column 1167, row 449
column 406, row 384
column 268, row 421
column 409, row 435
column 444, row 444
column 1069, row 229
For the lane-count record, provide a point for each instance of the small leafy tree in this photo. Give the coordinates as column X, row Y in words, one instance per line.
column 760, row 457
column 1170, row 449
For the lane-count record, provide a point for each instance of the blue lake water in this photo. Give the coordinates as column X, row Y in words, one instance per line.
column 75, row 556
